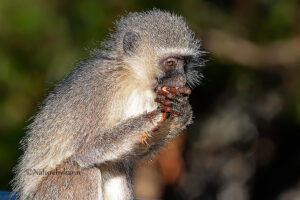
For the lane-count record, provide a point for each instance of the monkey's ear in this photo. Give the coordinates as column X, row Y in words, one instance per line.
column 130, row 42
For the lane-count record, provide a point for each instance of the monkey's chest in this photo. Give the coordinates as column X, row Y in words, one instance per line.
column 139, row 103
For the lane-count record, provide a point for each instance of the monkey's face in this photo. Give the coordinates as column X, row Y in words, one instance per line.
column 173, row 71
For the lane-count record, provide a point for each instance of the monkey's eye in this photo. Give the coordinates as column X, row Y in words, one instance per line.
column 171, row 63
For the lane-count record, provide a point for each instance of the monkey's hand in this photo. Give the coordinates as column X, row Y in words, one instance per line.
column 174, row 103
column 171, row 97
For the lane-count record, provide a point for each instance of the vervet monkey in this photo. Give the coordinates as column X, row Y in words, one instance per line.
column 115, row 108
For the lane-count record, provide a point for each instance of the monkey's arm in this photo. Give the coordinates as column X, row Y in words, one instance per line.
column 136, row 135
column 114, row 144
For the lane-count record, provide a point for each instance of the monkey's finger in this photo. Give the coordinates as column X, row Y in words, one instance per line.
column 164, row 116
column 185, row 90
column 177, row 90
column 171, row 111
column 165, row 108
column 175, row 114
column 172, row 90
column 161, row 97
column 144, row 137
column 165, row 94
column 158, row 121
column 165, row 102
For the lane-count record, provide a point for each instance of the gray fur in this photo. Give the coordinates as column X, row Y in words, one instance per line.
column 71, row 130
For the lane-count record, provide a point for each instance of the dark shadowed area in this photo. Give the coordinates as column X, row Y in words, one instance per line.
column 245, row 140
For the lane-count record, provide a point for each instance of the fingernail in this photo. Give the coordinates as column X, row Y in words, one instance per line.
column 164, row 88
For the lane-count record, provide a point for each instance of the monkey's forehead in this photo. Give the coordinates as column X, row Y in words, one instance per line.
column 160, row 28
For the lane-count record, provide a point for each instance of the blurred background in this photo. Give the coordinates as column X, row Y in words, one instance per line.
column 245, row 142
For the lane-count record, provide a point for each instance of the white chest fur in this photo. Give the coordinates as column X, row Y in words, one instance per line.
column 140, row 102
